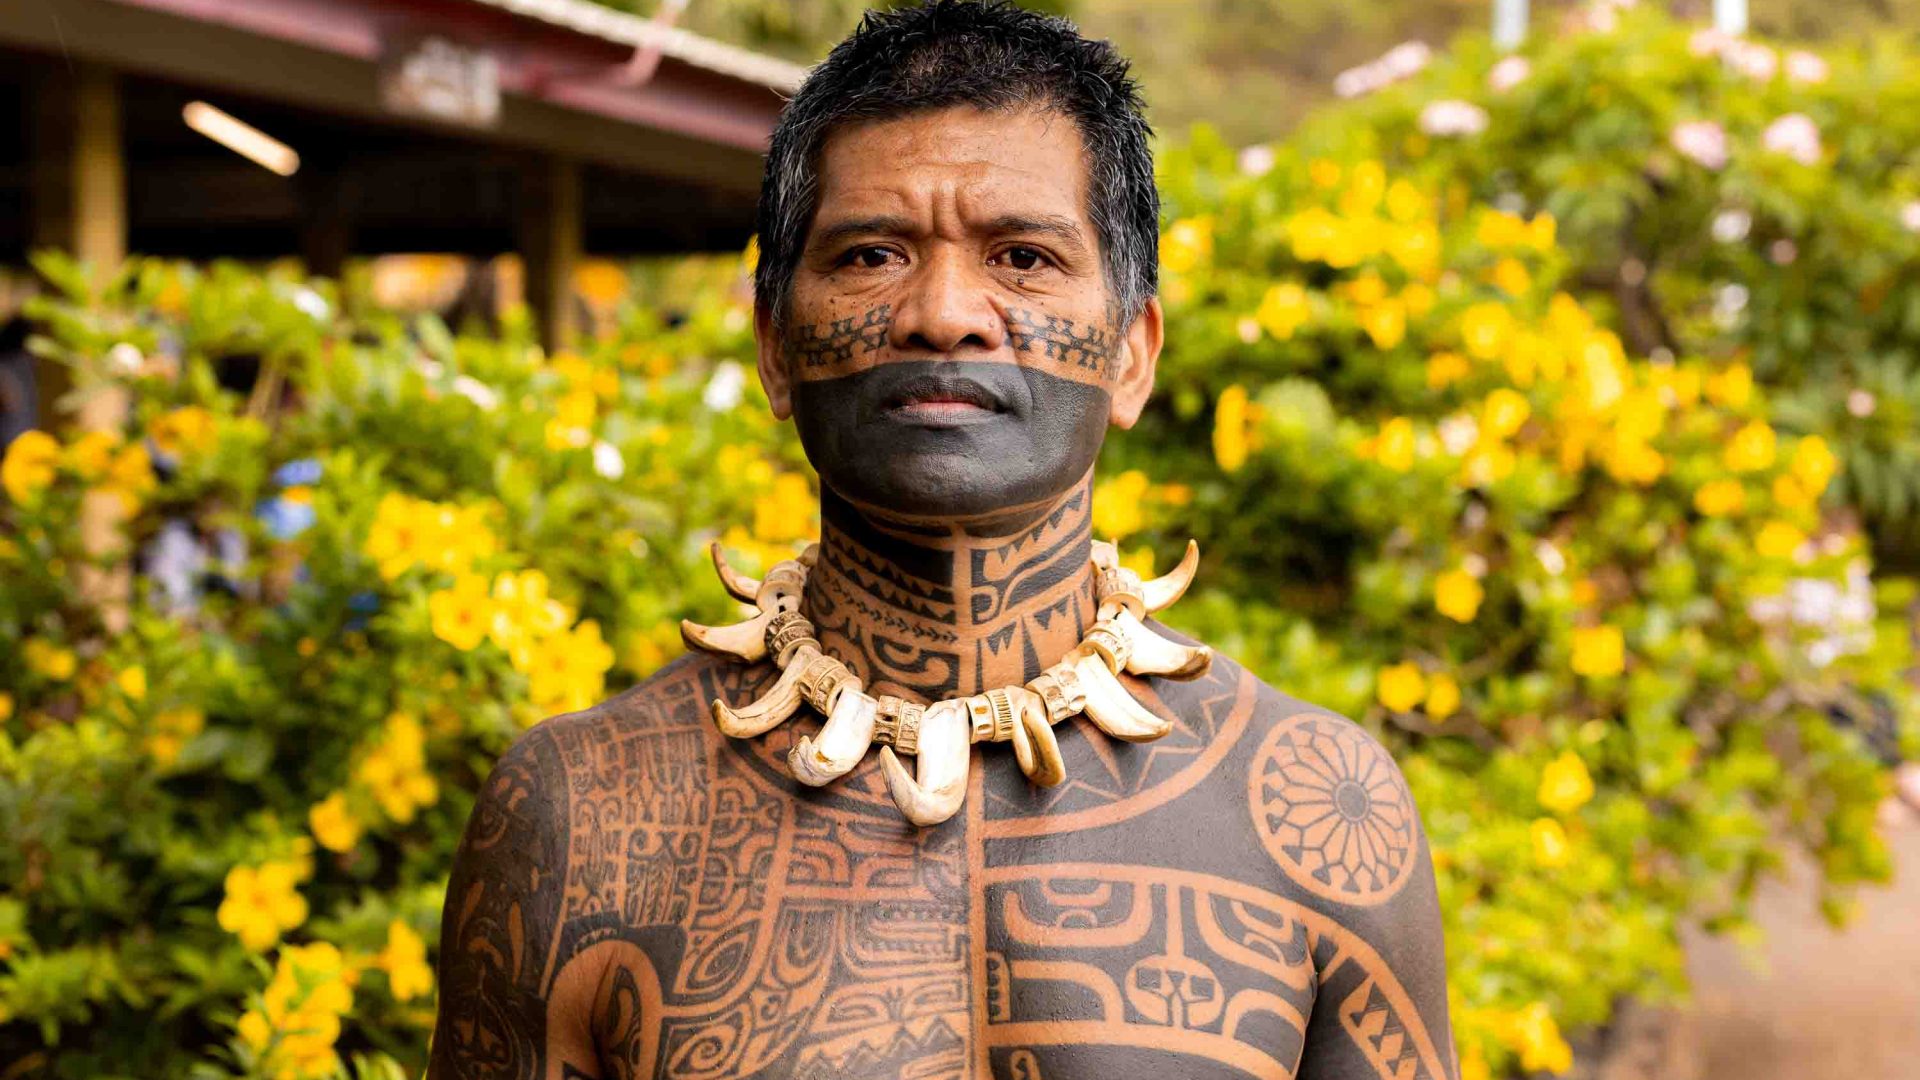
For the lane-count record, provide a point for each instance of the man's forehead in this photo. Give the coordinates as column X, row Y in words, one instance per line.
column 984, row 163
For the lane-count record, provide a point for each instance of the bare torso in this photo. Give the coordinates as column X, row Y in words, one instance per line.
column 1248, row 897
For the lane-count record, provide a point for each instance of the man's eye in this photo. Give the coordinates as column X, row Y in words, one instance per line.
column 868, row 258
column 1023, row 258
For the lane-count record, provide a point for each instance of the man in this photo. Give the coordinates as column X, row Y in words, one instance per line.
column 955, row 301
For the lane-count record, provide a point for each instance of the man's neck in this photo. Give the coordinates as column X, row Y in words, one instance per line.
column 937, row 609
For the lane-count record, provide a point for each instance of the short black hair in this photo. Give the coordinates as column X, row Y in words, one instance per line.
column 991, row 56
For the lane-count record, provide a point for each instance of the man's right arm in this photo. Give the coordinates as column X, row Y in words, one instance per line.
column 499, row 1013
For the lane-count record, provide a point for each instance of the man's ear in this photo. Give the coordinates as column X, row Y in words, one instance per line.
column 772, row 364
column 1139, row 358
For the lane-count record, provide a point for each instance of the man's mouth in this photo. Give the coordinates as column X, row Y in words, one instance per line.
column 940, row 400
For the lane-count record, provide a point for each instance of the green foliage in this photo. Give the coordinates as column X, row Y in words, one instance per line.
column 1606, row 598
column 1797, row 254
column 416, row 545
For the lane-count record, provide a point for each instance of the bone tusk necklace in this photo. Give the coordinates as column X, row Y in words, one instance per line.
column 939, row 736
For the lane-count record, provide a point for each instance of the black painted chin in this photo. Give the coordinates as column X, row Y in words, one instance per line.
column 1041, row 438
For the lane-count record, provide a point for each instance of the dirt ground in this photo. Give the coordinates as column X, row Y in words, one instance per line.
column 1814, row 1003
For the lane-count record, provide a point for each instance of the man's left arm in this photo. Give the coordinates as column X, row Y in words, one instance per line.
column 1351, row 835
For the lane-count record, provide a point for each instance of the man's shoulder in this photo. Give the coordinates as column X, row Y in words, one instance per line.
column 572, row 752
column 1270, row 714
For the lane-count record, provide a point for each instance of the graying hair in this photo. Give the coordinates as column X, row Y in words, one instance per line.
column 990, row 56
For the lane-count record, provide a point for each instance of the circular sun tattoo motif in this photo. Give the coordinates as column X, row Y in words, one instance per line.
column 1332, row 810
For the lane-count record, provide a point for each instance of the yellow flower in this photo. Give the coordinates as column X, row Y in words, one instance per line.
column 1406, row 202
column 1503, row 413
column 463, row 614
column 47, row 660
column 1187, row 244
column 1485, row 329
column 1386, row 324
column 1540, row 232
column 29, row 465
column 184, row 432
column 1719, row 498
column 1324, row 173
column 568, row 672
column 1283, row 310
column 1598, row 651
column 299, row 1019
column 1365, row 186
column 405, row 962
column 1731, row 387
column 131, row 472
column 1401, row 686
column 1751, row 448
column 523, row 612
column 1812, row 463
column 1538, row 1040
column 170, row 732
column 1445, row 368
column 395, row 770
column 1397, row 444
column 1443, row 696
column 398, row 535
column 132, row 682
column 1230, row 428
column 1790, row 494
column 1550, row 846
column 1499, row 229
column 1418, row 299
column 1510, row 276
column 786, row 511
column 1778, row 540
column 91, row 454
column 1565, row 785
column 6, row 707
column 1315, row 233
column 333, row 824
column 1457, row 594
column 261, row 904
column 1116, row 505
column 1416, row 248
column 1635, row 462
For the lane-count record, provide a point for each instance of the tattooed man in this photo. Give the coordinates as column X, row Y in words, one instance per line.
column 955, row 303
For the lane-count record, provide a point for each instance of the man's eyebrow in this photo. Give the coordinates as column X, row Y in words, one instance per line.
column 882, row 224
column 1060, row 228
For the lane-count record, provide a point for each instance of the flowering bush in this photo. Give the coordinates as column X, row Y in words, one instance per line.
column 1716, row 197
column 1589, row 594
column 232, row 787
column 1603, row 596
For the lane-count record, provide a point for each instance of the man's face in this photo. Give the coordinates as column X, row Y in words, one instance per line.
column 950, row 346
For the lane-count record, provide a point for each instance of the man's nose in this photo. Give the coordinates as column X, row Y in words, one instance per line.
column 947, row 309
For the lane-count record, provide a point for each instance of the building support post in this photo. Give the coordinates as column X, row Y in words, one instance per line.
column 80, row 205
column 550, row 243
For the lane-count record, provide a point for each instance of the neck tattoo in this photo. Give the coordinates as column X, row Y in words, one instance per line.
column 1084, row 679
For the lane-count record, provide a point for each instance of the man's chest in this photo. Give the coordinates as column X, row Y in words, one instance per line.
column 744, row 930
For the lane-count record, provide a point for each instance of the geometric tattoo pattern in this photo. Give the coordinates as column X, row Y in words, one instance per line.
column 640, row 898
column 1332, row 810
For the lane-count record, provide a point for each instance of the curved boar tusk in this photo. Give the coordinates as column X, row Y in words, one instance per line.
column 738, row 585
column 745, row 641
column 843, row 741
column 1034, row 746
column 1104, row 555
column 1155, row 655
column 769, row 710
column 1161, row 592
column 946, row 750
column 1111, row 708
